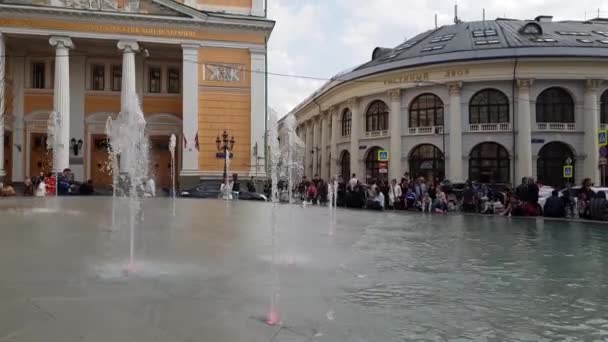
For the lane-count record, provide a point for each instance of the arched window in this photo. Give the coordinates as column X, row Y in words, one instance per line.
column 345, row 166
column 427, row 161
column 554, row 105
column 489, row 162
column 551, row 161
column 347, row 122
column 604, row 108
column 489, row 106
column 376, row 117
column 372, row 166
column 426, row 110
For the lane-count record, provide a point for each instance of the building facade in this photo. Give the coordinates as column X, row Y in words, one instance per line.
column 490, row 101
column 199, row 68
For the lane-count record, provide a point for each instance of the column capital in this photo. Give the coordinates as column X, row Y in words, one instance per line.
column 61, row 42
column 189, row 48
column 127, row 46
column 454, row 88
column 394, row 94
column 524, row 82
column 353, row 102
column 592, row 84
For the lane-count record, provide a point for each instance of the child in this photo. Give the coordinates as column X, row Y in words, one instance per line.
column 427, row 203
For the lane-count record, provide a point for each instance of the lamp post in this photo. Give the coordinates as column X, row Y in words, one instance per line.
column 225, row 145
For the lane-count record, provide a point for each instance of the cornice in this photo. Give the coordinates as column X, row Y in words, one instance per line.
column 257, row 24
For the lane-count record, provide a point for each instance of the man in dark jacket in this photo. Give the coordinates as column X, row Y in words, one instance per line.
column 555, row 207
column 599, row 207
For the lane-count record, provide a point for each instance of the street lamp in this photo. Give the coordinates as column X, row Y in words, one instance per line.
column 225, row 145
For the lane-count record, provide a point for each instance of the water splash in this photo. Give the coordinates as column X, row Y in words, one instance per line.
column 53, row 128
column 172, row 145
column 114, row 170
column 131, row 145
column 275, row 154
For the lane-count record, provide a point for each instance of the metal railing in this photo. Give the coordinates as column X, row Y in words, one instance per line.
column 376, row 134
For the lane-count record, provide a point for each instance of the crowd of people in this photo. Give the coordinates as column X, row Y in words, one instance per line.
column 433, row 196
column 49, row 184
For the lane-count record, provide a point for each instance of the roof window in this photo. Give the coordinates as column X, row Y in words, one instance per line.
column 444, row 38
column 487, row 42
column 588, row 41
column 433, row 48
column 544, row 40
column 484, row 33
column 570, row 33
column 531, row 29
column 601, row 33
column 405, row 46
column 603, row 41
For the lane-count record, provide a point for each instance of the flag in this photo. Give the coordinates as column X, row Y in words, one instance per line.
column 196, row 142
column 185, row 142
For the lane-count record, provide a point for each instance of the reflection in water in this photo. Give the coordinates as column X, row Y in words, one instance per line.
column 204, row 273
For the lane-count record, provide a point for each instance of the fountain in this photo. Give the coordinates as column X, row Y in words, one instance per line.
column 275, row 155
column 172, row 144
column 128, row 139
column 113, row 168
column 293, row 149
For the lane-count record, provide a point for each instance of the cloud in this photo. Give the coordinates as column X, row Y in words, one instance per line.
column 322, row 37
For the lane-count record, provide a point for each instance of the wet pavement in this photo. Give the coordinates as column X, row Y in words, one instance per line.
column 209, row 273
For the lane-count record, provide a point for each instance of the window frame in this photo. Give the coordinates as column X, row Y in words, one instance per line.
column 96, row 67
column 34, row 79
column 376, row 116
column 179, row 80
column 499, row 163
column 417, row 158
column 551, row 110
column 500, row 109
column 347, row 122
column 113, row 77
column 437, row 109
column 151, row 69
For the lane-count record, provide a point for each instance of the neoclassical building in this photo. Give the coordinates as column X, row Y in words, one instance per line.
column 198, row 68
column 491, row 101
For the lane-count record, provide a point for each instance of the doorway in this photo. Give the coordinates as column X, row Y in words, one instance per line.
column 41, row 161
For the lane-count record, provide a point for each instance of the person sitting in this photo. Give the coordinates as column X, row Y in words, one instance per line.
column 28, row 187
column 441, row 203
column 41, row 189
column 394, row 195
column 311, row 193
column 555, row 206
column 6, row 190
column 87, row 188
column 468, row 200
column 376, row 202
column 51, row 184
column 598, row 207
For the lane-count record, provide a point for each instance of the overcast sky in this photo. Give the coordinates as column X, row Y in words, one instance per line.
column 320, row 38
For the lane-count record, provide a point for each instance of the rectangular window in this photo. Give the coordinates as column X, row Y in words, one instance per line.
column 154, row 80
column 173, row 81
column 98, row 78
column 116, row 77
column 38, row 74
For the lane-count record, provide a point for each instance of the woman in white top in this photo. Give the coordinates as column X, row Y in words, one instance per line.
column 394, row 194
column 41, row 190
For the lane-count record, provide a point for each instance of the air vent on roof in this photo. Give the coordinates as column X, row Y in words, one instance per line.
column 405, row 46
column 544, row 18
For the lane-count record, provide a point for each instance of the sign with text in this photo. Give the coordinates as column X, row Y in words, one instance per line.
column 383, row 155
column 602, row 137
column 568, row 171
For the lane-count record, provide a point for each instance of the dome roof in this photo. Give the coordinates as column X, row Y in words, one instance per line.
column 491, row 39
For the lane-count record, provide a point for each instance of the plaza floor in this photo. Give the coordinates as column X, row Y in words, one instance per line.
column 208, row 274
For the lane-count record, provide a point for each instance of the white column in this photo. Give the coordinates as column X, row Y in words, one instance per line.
column 190, row 108
column 308, row 153
column 128, row 90
column 61, row 102
column 353, row 105
column 17, row 65
column 335, row 131
column 523, row 142
column 2, row 104
column 592, row 125
column 316, row 145
column 258, row 110
column 455, row 168
column 325, row 117
column 257, row 8
column 394, row 164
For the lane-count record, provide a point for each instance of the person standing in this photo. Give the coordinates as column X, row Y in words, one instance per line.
column 236, row 185
column 352, row 183
column 394, row 195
